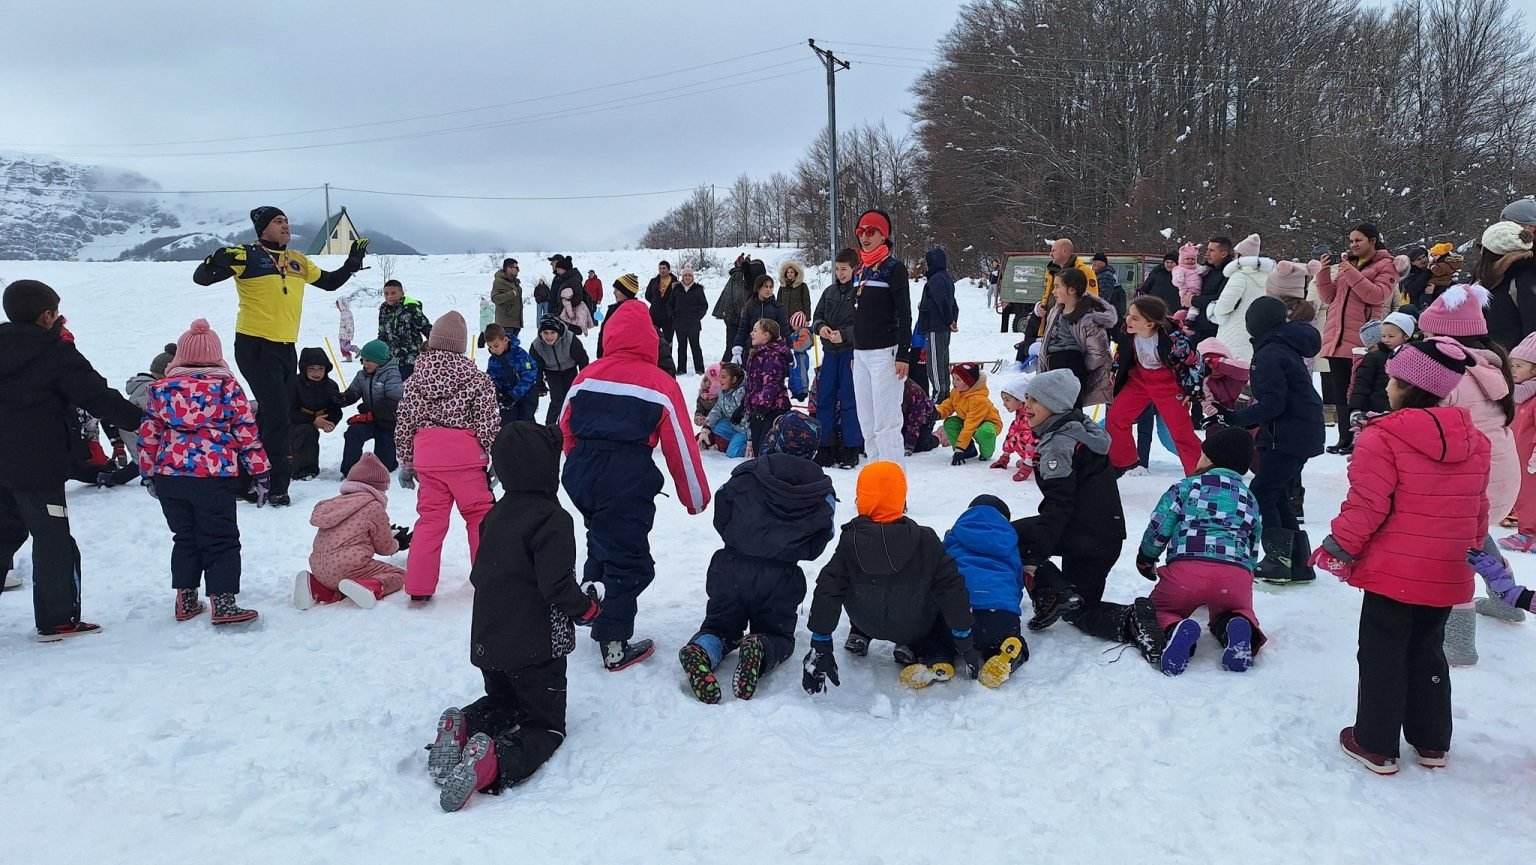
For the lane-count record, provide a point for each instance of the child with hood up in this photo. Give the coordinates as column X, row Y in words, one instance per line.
column 526, row 603
column 353, row 528
column 986, row 552
column 709, row 393
column 197, row 436
column 775, row 512
column 314, row 407
column 897, row 583
column 447, row 424
column 1021, row 437
column 1186, row 274
column 971, row 421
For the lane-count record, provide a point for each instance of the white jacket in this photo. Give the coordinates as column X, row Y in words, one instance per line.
column 1229, row 312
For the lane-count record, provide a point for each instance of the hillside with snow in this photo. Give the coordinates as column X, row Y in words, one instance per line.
column 299, row 739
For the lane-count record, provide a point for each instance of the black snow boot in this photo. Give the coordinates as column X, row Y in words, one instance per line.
column 1051, row 605
column 1301, row 551
column 857, row 642
column 848, row 458
column 1141, row 631
column 826, row 457
column 1298, row 502
column 1279, row 545
column 622, row 654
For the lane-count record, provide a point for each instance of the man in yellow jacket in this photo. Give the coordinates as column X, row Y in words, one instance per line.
column 270, row 280
column 1063, row 257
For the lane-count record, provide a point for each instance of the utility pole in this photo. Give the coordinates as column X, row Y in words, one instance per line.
column 830, row 61
column 327, row 206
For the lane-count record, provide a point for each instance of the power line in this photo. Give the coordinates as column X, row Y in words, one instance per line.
column 307, row 190
column 157, row 191
column 433, row 116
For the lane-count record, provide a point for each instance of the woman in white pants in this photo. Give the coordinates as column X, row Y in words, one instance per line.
column 882, row 338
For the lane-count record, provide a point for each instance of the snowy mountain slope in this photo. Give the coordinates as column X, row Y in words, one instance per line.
column 300, row 740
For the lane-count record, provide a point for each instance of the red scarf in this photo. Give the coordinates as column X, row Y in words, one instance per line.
column 873, row 259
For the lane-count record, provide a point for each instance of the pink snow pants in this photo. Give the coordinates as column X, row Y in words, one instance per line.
column 450, row 471
column 1188, row 584
column 1157, row 387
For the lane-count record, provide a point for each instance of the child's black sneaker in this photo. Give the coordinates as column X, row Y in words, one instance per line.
column 1180, row 647
column 227, row 612
column 419, row 600
column 904, row 655
column 187, row 605
column 825, row 457
column 622, row 654
column 848, row 458
column 279, row 500
column 749, row 667
column 701, row 676
column 856, row 644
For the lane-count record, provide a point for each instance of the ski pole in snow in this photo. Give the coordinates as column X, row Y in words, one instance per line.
column 335, row 363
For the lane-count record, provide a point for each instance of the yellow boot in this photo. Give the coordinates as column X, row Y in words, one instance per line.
column 999, row 667
column 917, row 676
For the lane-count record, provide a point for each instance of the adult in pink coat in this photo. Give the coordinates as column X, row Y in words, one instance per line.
column 1356, row 292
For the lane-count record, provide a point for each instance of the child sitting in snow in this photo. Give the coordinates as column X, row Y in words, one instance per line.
column 917, row 419
column 971, row 421
column 1021, row 438
column 526, row 601
column 725, row 424
column 1209, row 524
column 986, row 552
column 768, row 367
column 1368, row 387
column 1522, row 368
column 709, row 392
column 514, row 372
column 447, row 423
column 314, row 407
column 353, row 528
column 774, row 512
column 897, row 583
column 195, row 439
column 1417, row 503
column 378, row 389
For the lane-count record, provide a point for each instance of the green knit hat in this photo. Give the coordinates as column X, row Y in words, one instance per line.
column 375, row 351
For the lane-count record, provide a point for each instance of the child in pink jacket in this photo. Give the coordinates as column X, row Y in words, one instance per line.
column 354, row 527
column 446, row 424
column 1021, row 436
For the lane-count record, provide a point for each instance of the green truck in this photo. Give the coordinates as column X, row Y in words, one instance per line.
column 1021, row 280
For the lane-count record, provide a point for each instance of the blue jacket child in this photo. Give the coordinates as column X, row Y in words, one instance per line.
column 985, row 548
column 514, row 372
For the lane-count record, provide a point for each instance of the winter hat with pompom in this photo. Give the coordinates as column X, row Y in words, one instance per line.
column 1502, row 238
column 1247, row 246
column 1436, row 365
column 162, row 360
column 199, row 346
column 1526, row 350
column 369, row 470
column 1402, row 321
column 1288, row 279
column 1189, row 250
column 1440, row 249
column 1458, row 311
column 449, row 333
column 967, row 372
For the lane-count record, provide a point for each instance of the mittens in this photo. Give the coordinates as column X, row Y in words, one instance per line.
column 818, row 667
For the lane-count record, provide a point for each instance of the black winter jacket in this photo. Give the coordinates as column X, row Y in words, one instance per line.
column 936, row 309
column 1511, row 311
column 1286, row 407
column 1368, row 392
column 1159, row 284
column 1412, row 286
column 663, row 308
column 756, row 309
column 835, row 310
column 307, row 399
column 774, row 512
column 45, row 379
column 1211, row 284
column 1080, row 511
column 525, row 573
column 894, row 579
column 882, row 308
column 689, row 307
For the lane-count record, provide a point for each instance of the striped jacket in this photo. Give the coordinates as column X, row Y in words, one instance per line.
column 624, row 398
column 1211, row 516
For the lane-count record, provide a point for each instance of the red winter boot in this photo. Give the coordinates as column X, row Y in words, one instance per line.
column 363, row 591
column 307, row 592
column 476, row 771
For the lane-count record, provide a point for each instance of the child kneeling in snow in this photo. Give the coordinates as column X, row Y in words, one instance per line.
column 196, row 436
column 1021, row 438
column 971, row 421
column 1417, row 503
column 774, row 512
column 354, row 527
column 526, row 601
column 986, row 552
column 1209, row 523
column 897, row 583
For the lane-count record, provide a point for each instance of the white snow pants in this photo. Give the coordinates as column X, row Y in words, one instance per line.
column 877, row 395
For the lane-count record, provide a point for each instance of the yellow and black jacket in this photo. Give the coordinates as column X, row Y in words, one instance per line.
column 270, row 283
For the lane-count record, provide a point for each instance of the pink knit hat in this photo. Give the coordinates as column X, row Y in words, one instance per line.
column 1247, row 246
column 1288, row 279
column 1526, row 350
column 369, row 470
column 1435, row 365
column 449, row 333
column 1458, row 311
column 1189, row 250
column 199, row 346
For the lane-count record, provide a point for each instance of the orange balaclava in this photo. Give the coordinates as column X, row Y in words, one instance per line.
column 882, row 492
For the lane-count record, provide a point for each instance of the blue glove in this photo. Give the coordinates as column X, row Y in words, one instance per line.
column 1497, row 575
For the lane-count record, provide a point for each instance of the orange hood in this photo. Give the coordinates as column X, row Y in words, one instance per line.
column 882, row 492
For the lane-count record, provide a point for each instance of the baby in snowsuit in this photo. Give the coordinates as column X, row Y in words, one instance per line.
column 354, row 527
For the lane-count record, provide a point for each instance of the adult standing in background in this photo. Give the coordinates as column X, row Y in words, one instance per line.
column 267, row 325
column 1110, row 289
column 594, row 287
column 1506, row 268
column 729, row 304
column 660, row 294
column 1218, row 253
column 1159, row 283
column 688, row 320
column 507, row 297
column 938, row 316
column 882, row 338
column 1356, row 292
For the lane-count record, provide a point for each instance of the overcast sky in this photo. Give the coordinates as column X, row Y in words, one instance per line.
column 83, row 81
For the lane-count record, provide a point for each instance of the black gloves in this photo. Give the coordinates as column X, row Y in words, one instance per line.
column 965, row 647
column 355, row 257
column 961, row 455
column 402, row 537
column 1146, row 566
column 818, row 667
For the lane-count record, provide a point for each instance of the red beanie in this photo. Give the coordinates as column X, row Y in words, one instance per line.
column 967, row 372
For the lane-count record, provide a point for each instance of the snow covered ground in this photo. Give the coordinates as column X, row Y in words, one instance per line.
column 300, row 740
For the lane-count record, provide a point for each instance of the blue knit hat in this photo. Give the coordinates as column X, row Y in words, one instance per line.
column 794, row 434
